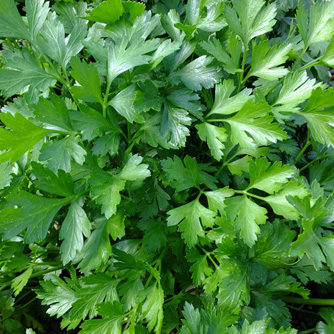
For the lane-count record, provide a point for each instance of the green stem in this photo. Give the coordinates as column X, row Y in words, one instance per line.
column 311, row 301
column 244, row 192
column 244, row 57
column 208, row 254
column 314, row 160
column 308, row 331
column 105, row 100
column 314, row 62
column 298, row 60
column 307, row 144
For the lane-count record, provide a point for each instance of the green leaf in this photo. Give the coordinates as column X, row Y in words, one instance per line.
column 31, row 212
column 233, row 289
column 174, row 123
column 60, row 153
column 37, row 11
column 249, row 20
column 5, row 175
column 184, row 176
column 58, row 295
column 21, row 281
column 321, row 121
column 192, row 320
column 216, row 199
column 191, row 217
column 153, row 307
column 123, row 104
column 279, row 203
column 108, row 11
column 56, row 46
column 315, row 26
column 21, row 73
column 111, row 323
column 214, row 47
column 214, row 136
column 253, row 126
column 297, row 87
column 135, row 9
column 269, row 178
column 109, row 143
column 273, row 245
column 54, row 114
column 97, row 248
column 147, row 98
column 246, row 216
column 193, row 11
column 196, row 75
column 266, row 60
column 328, row 315
column 88, row 77
column 225, row 104
column 90, row 122
column 96, row 289
column 75, row 225
column 11, row 22
column 134, row 169
column 328, row 56
column 22, row 138
column 61, row 185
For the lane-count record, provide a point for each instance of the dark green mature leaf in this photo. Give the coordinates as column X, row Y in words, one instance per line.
column 32, row 212
column 88, row 77
column 328, row 315
column 22, row 138
column 11, row 22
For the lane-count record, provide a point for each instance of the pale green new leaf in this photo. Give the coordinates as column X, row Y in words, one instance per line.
column 279, row 203
column 190, row 218
column 57, row 295
column 153, row 307
column 22, row 137
column 96, row 289
column 37, row 11
column 253, row 126
column 297, row 87
column 21, row 281
column 111, row 322
column 134, row 169
column 88, row 77
column 5, row 174
column 216, row 199
column 75, row 226
column 328, row 56
column 197, row 75
column 226, row 104
column 60, row 153
column 250, row 19
column 246, row 216
column 32, row 212
column 123, row 103
column 317, row 25
column 266, row 60
column 108, row 11
column 215, row 137
column 267, row 177
column 56, row 46
column 22, row 74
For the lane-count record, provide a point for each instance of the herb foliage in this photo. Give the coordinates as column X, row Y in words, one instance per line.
column 166, row 167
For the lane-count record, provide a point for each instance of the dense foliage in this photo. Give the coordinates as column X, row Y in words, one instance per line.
column 166, row 167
